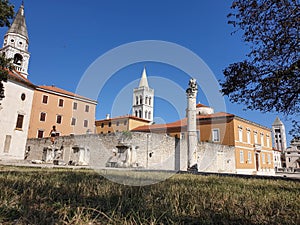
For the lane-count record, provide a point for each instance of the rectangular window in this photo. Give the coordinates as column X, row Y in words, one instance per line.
column 248, row 136
column 109, row 124
column 249, row 157
column 263, row 159
column 268, row 141
column 58, row 119
column 87, row 108
column 40, row 134
column 240, row 134
column 43, row 117
column 269, row 158
column 102, row 125
column 75, row 105
column 262, row 139
column 7, row 143
column 85, row 123
column 241, row 156
column 45, row 99
column 255, row 137
column 19, row 124
column 73, row 121
column 60, row 102
column 216, row 135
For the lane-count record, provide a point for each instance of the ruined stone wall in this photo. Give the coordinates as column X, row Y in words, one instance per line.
column 152, row 151
column 216, row 158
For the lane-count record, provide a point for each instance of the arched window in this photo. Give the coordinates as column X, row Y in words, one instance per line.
column 146, row 100
column 149, row 100
column 136, row 113
column 136, row 100
column 140, row 113
column 146, row 114
column 141, row 99
column 18, row 59
column 149, row 115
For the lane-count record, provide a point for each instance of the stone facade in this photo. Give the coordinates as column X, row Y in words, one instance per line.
column 141, row 151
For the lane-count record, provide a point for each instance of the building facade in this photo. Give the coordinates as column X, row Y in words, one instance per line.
column 15, row 108
column 292, row 155
column 119, row 124
column 252, row 142
column 70, row 113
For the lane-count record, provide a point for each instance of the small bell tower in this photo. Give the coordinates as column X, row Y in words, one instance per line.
column 16, row 41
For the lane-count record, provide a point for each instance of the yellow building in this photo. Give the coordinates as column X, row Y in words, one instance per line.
column 70, row 113
column 252, row 142
column 119, row 124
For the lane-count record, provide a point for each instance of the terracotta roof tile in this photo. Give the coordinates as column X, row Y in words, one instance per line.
column 180, row 123
column 17, row 76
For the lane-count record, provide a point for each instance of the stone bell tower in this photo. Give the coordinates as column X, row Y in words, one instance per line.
column 143, row 99
column 16, row 42
column 192, row 125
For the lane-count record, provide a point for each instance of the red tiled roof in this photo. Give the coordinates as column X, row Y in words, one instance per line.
column 64, row 92
column 17, row 76
column 201, row 105
column 181, row 123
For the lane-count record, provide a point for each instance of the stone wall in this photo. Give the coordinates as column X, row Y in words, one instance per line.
column 216, row 158
column 151, row 151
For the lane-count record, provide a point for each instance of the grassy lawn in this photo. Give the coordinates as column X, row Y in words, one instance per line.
column 62, row 196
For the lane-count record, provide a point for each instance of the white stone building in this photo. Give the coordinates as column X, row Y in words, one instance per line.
column 15, row 108
column 292, row 155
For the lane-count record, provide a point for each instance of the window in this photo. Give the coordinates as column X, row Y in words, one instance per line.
column 136, row 113
column 40, row 134
column 146, row 114
column 58, row 119
column 141, row 100
column 102, row 125
column 140, row 113
column 149, row 115
column 75, row 105
column 249, row 157
column 20, row 119
column 43, row 117
column 85, row 123
column 149, row 100
column 240, row 134
column 269, row 158
column 268, row 141
column 136, row 100
column 45, row 99
column 248, row 136
column 87, row 108
column 7, row 143
column 73, row 121
column 263, row 159
column 262, row 139
column 23, row 96
column 255, row 137
column 60, row 102
column 216, row 135
column 241, row 156
column 109, row 124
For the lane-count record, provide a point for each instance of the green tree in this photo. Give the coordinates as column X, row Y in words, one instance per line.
column 6, row 14
column 268, row 79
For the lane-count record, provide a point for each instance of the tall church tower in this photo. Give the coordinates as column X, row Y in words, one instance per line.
column 16, row 42
column 279, row 136
column 143, row 99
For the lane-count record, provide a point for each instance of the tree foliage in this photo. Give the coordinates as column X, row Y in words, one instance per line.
column 268, row 79
column 6, row 14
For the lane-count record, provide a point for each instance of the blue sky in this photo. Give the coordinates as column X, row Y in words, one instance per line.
column 67, row 36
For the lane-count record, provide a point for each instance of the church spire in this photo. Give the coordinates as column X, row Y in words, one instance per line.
column 144, row 80
column 16, row 41
column 19, row 24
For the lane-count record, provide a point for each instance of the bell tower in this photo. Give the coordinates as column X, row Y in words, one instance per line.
column 15, row 45
column 143, row 99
